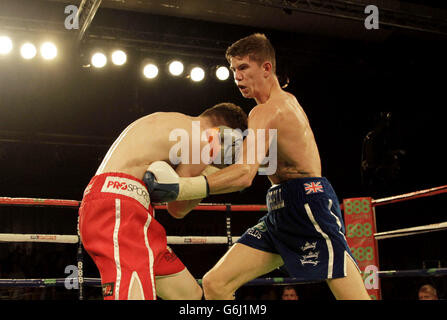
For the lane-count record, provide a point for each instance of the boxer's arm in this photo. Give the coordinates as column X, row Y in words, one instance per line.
column 240, row 176
column 179, row 209
column 165, row 185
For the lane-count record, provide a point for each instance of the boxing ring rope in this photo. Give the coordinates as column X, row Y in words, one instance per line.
column 410, row 196
column 60, row 282
column 216, row 207
column 36, row 202
column 185, row 240
column 58, row 238
column 6, row 201
column 411, row 231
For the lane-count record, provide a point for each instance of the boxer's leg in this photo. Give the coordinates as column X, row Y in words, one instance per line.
column 135, row 288
column 172, row 280
column 350, row 287
column 179, row 286
column 238, row 266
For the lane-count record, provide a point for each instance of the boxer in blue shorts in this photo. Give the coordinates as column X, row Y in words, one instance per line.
column 303, row 230
column 305, row 227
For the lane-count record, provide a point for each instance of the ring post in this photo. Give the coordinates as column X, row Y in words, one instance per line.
column 360, row 224
column 228, row 225
column 80, row 264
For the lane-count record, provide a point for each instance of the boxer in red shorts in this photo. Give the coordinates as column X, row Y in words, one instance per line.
column 116, row 219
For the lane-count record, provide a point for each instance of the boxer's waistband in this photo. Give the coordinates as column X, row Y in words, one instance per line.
column 299, row 189
column 120, row 184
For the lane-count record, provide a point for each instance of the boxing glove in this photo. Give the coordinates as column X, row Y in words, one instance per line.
column 230, row 142
column 164, row 184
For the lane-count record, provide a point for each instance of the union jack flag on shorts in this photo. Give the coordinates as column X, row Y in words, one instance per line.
column 313, row 187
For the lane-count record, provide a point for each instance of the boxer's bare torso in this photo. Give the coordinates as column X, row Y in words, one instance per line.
column 297, row 152
column 147, row 140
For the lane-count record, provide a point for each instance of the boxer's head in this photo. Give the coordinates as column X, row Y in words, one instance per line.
column 252, row 61
column 256, row 47
column 229, row 122
column 226, row 114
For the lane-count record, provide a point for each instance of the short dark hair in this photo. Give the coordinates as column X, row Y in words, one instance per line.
column 256, row 46
column 227, row 113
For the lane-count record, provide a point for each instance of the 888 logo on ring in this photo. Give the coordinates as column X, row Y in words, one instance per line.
column 357, row 206
column 359, row 230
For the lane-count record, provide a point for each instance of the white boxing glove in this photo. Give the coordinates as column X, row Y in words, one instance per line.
column 230, row 142
column 165, row 185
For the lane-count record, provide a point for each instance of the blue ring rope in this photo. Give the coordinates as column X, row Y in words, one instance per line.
column 92, row 282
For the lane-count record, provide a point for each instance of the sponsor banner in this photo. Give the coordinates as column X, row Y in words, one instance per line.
column 360, row 229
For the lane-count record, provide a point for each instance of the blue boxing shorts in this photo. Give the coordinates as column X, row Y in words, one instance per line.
column 304, row 225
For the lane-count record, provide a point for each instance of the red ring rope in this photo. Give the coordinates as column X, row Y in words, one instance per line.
column 38, row 202
column 411, row 195
column 219, row 207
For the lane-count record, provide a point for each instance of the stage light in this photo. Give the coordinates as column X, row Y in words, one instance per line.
column 48, row 51
column 5, row 45
column 222, row 73
column 150, row 71
column 99, row 60
column 176, row 68
column 28, row 51
column 197, row 74
column 119, row 57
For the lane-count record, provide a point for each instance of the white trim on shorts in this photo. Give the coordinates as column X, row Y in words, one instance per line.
column 336, row 219
column 151, row 254
column 326, row 237
column 116, row 250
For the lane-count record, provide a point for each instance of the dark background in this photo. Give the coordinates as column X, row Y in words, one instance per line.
column 57, row 119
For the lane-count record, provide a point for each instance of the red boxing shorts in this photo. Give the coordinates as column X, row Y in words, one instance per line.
column 119, row 232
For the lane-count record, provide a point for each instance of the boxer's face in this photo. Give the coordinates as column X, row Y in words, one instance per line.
column 247, row 75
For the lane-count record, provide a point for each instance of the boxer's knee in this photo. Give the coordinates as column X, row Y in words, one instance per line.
column 215, row 288
column 197, row 293
column 210, row 287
